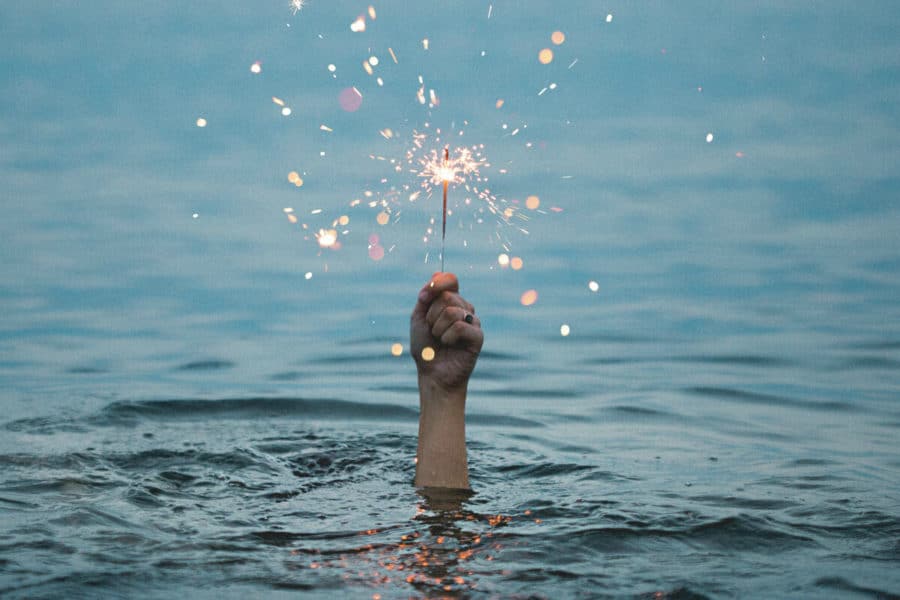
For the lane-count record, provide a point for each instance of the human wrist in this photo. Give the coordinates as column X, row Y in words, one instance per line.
column 433, row 390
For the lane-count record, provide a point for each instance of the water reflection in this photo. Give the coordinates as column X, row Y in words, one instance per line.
column 445, row 549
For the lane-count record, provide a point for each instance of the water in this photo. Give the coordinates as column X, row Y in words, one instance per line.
column 185, row 412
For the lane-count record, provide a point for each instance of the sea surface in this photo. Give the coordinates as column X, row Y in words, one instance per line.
column 198, row 399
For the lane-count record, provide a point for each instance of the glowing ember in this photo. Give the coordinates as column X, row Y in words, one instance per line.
column 372, row 12
column 593, row 286
column 564, row 330
column 609, row 18
column 558, row 37
column 256, row 68
column 358, row 25
column 499, row 103
column 308, row 275
column 503, row 260
column 516, row 263
column 201, row 122
column 327, row 238
column 428, row 354
column 397, row 349
column 332, row 68
column 545, row 56
column 286, row 111
column 296, row 6
column 277, row 100
column 709, row 138
column 532, row 202
column 529, row 298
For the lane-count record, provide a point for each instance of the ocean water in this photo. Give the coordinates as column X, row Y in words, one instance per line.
column 198, row 399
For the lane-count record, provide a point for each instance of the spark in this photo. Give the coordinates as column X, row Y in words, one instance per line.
column 327, row 238
column 296, row 6
column 434, row 161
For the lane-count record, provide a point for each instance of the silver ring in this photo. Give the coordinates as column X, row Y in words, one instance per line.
column 469, row 318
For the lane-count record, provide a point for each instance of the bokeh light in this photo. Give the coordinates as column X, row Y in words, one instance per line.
column 350, row 99
column 528, row 298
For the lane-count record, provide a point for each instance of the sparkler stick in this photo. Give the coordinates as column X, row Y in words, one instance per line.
column 444, row 222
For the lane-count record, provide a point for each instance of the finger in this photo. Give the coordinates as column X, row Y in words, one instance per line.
column 463, row 335
column 440, row 304
column 440, row 283
column 448, row 317
column 426, row 295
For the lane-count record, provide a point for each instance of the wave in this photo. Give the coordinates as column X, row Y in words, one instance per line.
column 769, row 399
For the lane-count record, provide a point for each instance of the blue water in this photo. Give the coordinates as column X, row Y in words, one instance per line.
column 198, row 399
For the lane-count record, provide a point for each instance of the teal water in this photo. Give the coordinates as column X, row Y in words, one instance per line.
column 197, row 399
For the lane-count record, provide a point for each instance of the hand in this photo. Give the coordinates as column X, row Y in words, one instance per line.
column 445, row 322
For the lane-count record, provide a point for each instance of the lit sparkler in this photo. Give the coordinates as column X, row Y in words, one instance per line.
column 449, row 167
column 447, row 175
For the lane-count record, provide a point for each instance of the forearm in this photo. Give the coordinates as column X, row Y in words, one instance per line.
column 441, row 455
